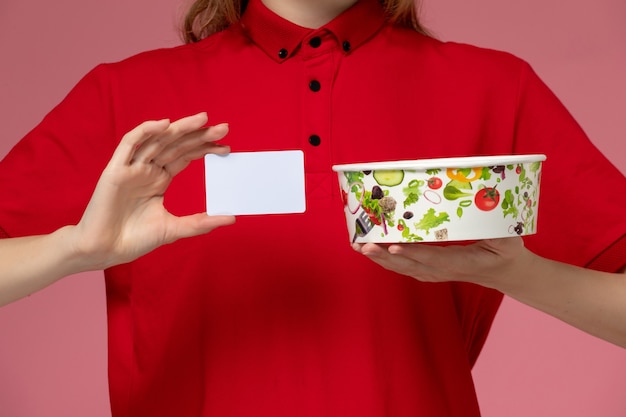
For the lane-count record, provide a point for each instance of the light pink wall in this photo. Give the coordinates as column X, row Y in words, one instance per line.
column 53, row 345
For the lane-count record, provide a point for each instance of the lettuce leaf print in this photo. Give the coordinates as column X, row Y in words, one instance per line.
column 457, row 189
column 508, row 205
column 432, row 220
column 485, row 174
column 535, row 166
column 407, row 235
column 353, row 178
column 412, row 192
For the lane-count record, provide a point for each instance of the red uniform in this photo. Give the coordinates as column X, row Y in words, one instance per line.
column 277, row 315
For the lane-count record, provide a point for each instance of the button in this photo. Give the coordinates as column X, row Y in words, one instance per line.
column 346, row 46
column 315, row 42
column 315, row 140
column 315, row 86
column 283, row 53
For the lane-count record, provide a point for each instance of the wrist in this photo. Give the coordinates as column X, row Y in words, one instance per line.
column 81, row 255
column 523, row 274
column 513, row 266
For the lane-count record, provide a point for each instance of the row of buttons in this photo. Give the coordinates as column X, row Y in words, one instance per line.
column 314, row 85
column 315, row 42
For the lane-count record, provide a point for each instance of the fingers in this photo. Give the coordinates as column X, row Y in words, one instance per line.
column 170, row 146
column 384, row 257
column 151, row 148
column 483, row 261
column 433, row 256
column 176, row 165
column 133, row 140
column 193, row 146
column 434, row 263
column 184, row 136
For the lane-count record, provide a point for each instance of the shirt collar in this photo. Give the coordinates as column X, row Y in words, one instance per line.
column 280, row 39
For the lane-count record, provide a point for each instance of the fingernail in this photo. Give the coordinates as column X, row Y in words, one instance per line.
column 394, row 249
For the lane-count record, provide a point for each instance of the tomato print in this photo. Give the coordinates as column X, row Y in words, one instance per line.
column 434, row 183
column 487, row 198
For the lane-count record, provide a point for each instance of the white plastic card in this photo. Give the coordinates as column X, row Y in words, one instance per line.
column 245, row 183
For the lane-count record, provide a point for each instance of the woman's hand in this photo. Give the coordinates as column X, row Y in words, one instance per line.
column 590, row 300
column 487, row 262
column 125, row 217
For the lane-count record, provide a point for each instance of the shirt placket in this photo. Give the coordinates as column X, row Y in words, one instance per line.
column 321, row 55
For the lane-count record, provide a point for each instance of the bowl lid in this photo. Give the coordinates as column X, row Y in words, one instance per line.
column 424, row 164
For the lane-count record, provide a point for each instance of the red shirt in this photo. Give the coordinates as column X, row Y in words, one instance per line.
column 276, row 315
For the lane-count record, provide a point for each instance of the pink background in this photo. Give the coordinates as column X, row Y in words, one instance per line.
column 53, row 344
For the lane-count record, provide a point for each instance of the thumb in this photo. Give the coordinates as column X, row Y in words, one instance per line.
column 200, row 223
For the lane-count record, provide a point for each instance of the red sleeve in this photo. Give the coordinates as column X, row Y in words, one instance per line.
column 582, row 207
column 476, row 308
column 612, row 258
column 47, row 179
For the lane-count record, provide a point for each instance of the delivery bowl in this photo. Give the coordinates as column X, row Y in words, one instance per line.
column 446, row 199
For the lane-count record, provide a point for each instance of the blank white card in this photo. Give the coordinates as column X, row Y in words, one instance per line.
column 244, row 183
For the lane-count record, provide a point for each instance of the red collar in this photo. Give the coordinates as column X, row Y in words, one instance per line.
column 274, row 34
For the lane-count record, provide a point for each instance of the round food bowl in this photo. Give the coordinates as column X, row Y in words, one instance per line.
column 446, row 199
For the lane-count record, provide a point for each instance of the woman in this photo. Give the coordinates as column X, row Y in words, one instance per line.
column 276, row 315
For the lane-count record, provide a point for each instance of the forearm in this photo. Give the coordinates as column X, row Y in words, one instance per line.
column 592, row 301
column 28, row 264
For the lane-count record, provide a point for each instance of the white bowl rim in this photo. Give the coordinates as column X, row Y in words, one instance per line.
column 458, row 162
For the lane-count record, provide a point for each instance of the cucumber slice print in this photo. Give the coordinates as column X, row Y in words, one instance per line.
column 389, row 178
